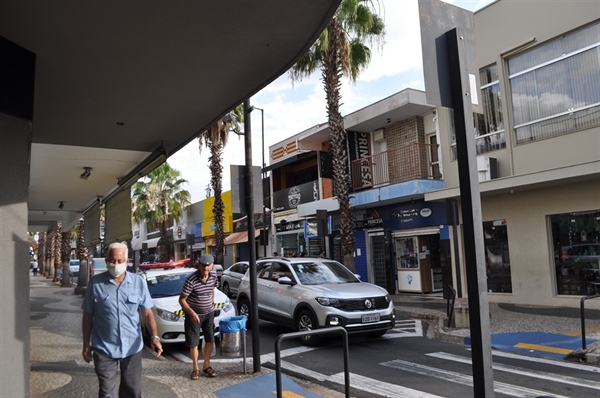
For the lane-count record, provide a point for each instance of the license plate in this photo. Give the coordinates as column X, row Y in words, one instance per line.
column 370, row 318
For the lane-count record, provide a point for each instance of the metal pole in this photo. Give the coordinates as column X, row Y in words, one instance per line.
column 481, row 353
column 262, row 179
column 251, row 237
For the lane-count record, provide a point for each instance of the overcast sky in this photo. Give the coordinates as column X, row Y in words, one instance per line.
column 290, row 109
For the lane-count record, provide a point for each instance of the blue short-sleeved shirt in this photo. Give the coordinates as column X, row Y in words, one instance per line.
column 116, row 330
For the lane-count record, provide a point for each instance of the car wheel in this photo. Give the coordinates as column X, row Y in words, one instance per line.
column 226, row 289
column 306, row 321
column 244, row 309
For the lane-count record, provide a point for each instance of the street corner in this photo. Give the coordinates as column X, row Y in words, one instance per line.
column 548, row 345
column 264, row 386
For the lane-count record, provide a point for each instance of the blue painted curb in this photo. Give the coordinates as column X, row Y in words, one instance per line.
column 263, row 386
column 507, row 342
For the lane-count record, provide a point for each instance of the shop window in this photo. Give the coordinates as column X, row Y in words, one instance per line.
column 576, row 241
column 497, row 259
column 407, row 253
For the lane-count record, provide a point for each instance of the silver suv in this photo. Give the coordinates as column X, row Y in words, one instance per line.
column 310, row 293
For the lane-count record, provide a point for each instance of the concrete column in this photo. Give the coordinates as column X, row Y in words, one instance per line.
column 14, row 261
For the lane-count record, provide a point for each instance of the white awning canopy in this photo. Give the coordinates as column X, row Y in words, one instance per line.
column 151, row 243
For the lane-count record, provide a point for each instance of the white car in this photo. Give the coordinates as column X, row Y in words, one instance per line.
column 165, row 287
column 74, row 267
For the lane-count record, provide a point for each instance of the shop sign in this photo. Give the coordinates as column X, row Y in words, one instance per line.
column 289, row 226
column 414, row 215
column 359, row 144
column 374, row 218
column 290, row 198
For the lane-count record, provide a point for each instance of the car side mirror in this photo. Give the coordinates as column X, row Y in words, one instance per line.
column 357, row 277
column 286, row 280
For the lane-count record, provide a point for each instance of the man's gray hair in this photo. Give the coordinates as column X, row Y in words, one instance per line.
column 118, row 245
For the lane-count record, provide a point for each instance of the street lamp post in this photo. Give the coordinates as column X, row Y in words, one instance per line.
column 262, row 174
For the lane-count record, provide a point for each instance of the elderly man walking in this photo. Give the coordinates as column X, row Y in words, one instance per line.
column 197, row 300
column 112, row 333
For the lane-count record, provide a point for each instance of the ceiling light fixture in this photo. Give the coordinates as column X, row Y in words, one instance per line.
column 86, row 173
column 61, row 205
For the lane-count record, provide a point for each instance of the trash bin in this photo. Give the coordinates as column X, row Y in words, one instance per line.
column 231, row 335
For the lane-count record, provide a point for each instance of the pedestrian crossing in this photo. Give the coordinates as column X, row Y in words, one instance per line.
column 405, row 328
column 439, row 370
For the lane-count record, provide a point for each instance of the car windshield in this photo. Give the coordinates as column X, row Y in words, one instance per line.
column 166, row 285
column 74, row 262
column 321, row 273
column 99, row 263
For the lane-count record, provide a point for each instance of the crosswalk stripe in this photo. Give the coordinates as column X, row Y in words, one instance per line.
column 361, row 383
column 520, row 371
column 544, row 360
column 499, row 387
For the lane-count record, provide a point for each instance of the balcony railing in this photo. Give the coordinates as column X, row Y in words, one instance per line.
column 409, row 162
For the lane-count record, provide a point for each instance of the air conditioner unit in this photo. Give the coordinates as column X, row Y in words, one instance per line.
column 487, row 168
column 378, row 135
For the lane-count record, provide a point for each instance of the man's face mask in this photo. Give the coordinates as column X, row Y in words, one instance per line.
column 116, row 269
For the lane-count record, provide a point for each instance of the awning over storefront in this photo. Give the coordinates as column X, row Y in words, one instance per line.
column 240, row 237
column 152, row 243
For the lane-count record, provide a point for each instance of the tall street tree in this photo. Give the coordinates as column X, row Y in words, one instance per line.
column 158, row 198
column 215, row 139
column 343, row 49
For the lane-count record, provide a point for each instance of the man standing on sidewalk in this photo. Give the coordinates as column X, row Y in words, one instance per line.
column 112, row 333
column 197, row 300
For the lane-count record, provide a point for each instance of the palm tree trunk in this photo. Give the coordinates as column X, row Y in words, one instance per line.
column 41, row 252
column 332, row 74
column 219, row 208
column 82, row 251
column 57, row 246
column 65, row 251
column 50, row 257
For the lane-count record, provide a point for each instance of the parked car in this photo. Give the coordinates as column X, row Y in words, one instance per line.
column 311, row 293
column 97, row 265
column 230, row 280
column 74, row 267
column 165, row 287
column 218, row 268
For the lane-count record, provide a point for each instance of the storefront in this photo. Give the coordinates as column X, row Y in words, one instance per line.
column 403, row 244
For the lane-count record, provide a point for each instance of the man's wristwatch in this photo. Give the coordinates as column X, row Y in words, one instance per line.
column 154, row 337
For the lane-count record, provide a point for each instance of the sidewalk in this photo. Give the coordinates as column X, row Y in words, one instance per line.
column 58, row 370
column 543, row 331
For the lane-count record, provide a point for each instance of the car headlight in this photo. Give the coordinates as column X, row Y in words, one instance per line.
column 387, row 298
column 329, row 302
column 167, row 315
column 227, row 306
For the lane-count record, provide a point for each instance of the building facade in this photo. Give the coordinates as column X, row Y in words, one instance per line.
column 538, row 145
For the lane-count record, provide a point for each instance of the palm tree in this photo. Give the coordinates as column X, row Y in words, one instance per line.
column 157, row 197
column 57, row 242
column 215, row 139
column 65, row 254
column 342, row 50
column 82, row 252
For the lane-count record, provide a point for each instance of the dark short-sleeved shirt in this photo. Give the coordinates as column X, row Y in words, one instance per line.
column 116, row 330
column 199, row 293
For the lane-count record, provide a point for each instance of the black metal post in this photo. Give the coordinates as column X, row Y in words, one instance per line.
column 251, row 238
column 481, row 353
column 262, row 179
